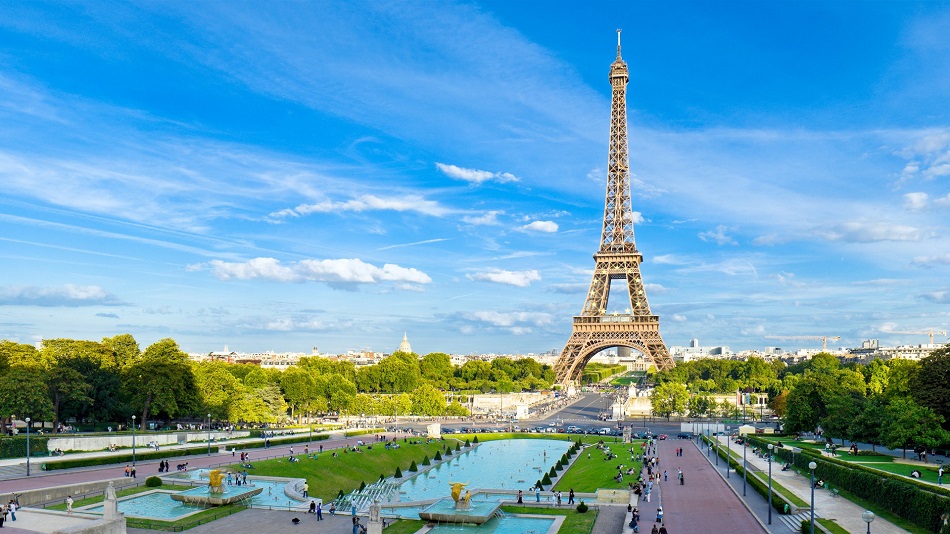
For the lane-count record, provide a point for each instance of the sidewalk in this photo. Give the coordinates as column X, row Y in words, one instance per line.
column 839, row 509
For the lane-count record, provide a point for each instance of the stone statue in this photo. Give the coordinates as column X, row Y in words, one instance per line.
column 110, row 507
column 374, row 510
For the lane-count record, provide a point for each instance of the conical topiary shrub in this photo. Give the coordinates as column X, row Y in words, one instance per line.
column 382, row 477
column 412, row 466
column 457, row 447
column 425, row 461
column 546, row 481
column 438, row 456
column 553, row 473
column 362, row 486
column 467, row 443
column 340, row 495
column 398, row 472
column 475, row 439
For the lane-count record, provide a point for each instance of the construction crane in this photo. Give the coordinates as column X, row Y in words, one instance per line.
column 824, row 339
column 930, row 332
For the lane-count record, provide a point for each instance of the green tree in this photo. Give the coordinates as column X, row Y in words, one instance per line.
column 161, row 381
column 124, row 348
column 698, row 405
column 218, row 388
column 930, row 385
column 669, row 399
column 12, row 353
column 299, row 390
column 912, row 424
column 25, row 394
column 868, row 425
column 437, row 367
column 427, row 400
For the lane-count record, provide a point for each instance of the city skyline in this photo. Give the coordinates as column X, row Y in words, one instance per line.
column 337, row 174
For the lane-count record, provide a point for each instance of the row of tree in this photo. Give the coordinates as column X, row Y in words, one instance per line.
column 112, row 379
column 896, row 403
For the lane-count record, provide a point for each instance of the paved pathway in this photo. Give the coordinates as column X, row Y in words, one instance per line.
column 844, row 512
column 703, row 503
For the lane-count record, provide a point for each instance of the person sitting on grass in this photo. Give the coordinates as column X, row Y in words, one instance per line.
column 915, row 474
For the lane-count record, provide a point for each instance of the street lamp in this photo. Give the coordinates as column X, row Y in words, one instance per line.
column 771, row 446
column 27, row 446
column 868, row 517
column 133, row 440
column 209, row 434
column 717, row 451
column 812, row 466
column 309, row 426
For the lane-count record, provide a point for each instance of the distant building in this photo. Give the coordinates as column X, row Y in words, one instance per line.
column 697, row 352
column 404, row 346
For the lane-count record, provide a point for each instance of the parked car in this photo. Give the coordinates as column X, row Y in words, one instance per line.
column 684, row 435
column 662, row 436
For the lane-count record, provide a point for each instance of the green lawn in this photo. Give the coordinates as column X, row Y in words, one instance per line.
column 590, row 471
column 405, row 526
column 326, row 475
column 574, row 521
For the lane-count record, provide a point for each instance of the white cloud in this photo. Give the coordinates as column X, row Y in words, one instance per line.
column 512, row 319
column 548, row 227
column 939, row 297
column 489, row 218
column 869, row 232
column 475, row 176
column 930, row 260
column 679, row 318
column 718, row 236
column 411, row 203
column 637, row 217
column 68, row 295
column 915, row 201
column 342, row 271
column 943, row 201
column 511, row 278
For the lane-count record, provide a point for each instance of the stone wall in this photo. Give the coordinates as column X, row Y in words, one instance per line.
column 59, row 493
column 99, row 443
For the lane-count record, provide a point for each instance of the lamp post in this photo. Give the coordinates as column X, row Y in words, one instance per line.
column 868, row 517
column 812, row 466
column 133, row 440
column 310, row 427
column 209, row 434
column 27, row 446
column 771, row 446
column 717, row 451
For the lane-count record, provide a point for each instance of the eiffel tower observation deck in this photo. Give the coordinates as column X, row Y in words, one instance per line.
column 617, row 258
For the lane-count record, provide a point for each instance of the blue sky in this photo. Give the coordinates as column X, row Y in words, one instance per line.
column 278, row 176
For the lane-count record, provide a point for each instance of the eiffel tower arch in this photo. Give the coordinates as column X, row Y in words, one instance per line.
column 618, row 258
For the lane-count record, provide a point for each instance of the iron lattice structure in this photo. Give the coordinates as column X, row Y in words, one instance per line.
column 617, row 258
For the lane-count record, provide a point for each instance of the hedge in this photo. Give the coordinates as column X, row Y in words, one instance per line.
column 126, row 458
column 15, row 446
column 351, row 433
column 919, row 503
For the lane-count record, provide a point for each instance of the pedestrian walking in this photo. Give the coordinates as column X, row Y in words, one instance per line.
column 537, row 494
column 570, row 497
column 940, row 476
column 69, row 504
column 664, row 476
column 520, row 501
column 12, row 507
column 558, row 495
column 320, row 511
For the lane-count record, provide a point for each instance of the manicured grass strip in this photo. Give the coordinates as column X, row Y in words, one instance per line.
column 832, row 527
column 326, row 475
column 405, row 526
column 574, row 521
column 588, row 474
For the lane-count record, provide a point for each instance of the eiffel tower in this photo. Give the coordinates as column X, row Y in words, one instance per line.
column 594, row 330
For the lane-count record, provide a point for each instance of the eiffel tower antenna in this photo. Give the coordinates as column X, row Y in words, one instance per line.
column 593, row 330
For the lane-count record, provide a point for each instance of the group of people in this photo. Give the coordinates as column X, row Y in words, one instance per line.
column 9, row 508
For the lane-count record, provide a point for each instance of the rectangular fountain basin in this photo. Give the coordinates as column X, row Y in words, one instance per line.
column 444, row 511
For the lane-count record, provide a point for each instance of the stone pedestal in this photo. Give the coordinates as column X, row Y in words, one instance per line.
column 375, row 525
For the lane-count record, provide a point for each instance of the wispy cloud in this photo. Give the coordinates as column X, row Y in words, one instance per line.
column 545, row 227
column 489, row 218
column 68, row 295
column 410, row 203
column 869, row 232
column 342, row 271
column 718, row 236
column 416, row 243
column 511, row 278
column 475, row 176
